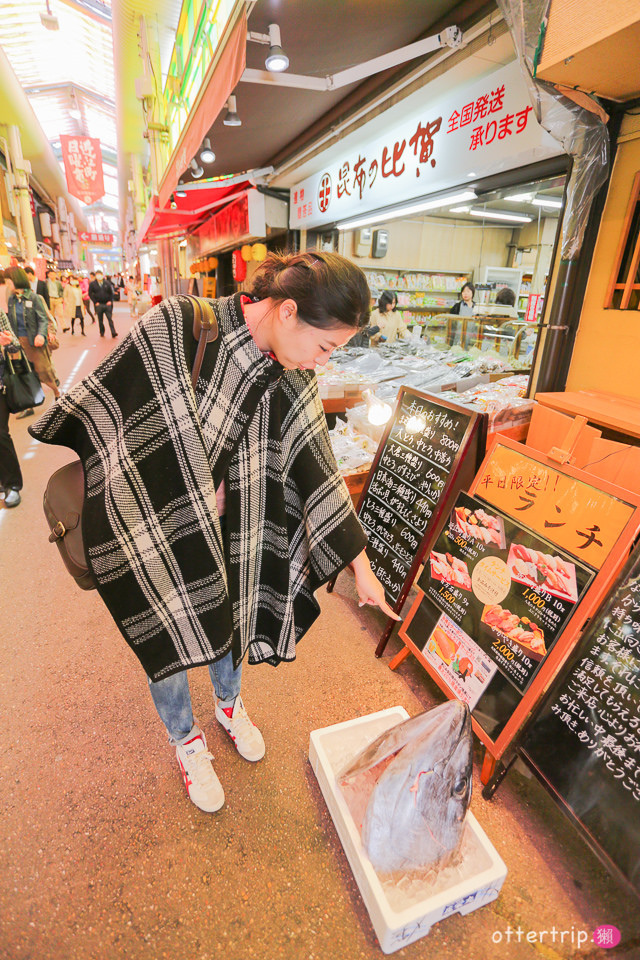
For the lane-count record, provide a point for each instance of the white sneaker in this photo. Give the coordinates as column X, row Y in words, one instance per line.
column 242, row 730
column 200, row 779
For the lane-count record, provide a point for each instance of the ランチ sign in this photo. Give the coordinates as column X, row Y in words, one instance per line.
column 475, row 131
column 83, row 167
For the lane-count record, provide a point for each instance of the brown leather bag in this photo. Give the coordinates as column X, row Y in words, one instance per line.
column 64, row 497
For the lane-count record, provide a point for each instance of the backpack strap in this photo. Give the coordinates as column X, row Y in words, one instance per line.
column 205, row 330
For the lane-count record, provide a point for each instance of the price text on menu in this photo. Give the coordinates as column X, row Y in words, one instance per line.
column 407, row 484
column 508, row 589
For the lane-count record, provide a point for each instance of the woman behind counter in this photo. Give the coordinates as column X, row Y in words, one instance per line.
column 464, row 306
column 386, row 317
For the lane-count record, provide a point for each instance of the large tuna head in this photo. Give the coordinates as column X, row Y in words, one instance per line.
column 410, row 789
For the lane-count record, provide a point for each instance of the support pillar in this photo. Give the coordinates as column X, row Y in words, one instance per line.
column 21, row 170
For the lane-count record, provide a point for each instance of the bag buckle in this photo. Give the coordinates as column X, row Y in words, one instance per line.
column 57, row 532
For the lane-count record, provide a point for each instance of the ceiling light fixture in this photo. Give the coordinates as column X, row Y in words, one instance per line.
column 231, row 118
column 520, row 198
column 196, row 169
column 547, row 202
column 180, row 193
column 206, row 154
column 500, row 215
column 277, row 60
column 383, row 215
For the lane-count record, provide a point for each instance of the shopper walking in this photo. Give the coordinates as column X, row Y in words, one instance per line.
column 10, row 473
column 86, row 299
column 72, row 303
column 209, row 534
column 132, row 296
column 101, row 292
column 55, row 293
column 30, row 323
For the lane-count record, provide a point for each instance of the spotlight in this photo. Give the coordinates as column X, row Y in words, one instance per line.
column 196, row 169
column 231, row 117
column 277, row 60
column 206, row 154
column 180, row 193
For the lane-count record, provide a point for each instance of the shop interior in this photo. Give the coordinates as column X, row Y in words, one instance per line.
column 504, row 239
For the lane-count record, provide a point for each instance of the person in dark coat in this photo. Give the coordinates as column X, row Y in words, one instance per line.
column 101, row 293
column 38, row 286
column 10, row 473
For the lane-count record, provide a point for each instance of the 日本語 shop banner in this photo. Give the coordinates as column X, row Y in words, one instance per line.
column 579, row 517
column 474, row 132
column 83, row 167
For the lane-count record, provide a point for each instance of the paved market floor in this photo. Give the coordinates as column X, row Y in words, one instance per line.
column 101, row 854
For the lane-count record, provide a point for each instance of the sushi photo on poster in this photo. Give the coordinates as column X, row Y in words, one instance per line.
column 506, row 588
column 462, row 664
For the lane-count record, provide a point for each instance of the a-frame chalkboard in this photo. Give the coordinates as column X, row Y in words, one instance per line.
column 584, row 744
column 429, row 451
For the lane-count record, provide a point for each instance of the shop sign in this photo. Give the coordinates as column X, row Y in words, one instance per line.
column 533, row 307
column 477, row 131
column 108, row 238
column 581, row 518
column 240, row 220
column 83, row 167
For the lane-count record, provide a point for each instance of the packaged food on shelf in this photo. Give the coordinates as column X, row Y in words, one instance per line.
column 354, row 451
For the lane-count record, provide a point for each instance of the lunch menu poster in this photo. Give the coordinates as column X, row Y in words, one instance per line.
column 508, row 589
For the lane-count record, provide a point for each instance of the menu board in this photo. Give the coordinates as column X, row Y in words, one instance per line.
column 418, row 462
column 508, row 590
column 585, row 741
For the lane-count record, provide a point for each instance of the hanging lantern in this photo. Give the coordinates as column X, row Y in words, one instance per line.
column 194, row 268
column 259, row 252
column 245, row 250
column 239, row 266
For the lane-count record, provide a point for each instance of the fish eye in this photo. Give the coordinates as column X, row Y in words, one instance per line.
column 460, row 787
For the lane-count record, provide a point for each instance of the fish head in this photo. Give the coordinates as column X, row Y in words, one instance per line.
column 415, row 815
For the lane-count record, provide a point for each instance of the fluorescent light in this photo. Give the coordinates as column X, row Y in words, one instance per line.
column 544, row 202
column 383, row 215
column 459, row 209
column 520, row 198
column 499, row 215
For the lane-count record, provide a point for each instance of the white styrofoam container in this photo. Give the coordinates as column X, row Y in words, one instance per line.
column 397, row 928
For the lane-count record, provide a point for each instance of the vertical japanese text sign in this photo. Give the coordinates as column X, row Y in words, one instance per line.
column 83, row 167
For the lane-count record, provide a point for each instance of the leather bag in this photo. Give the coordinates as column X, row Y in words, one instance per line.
column 64, row 497
column 22, row 385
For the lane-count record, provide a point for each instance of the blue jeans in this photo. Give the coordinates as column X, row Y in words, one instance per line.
column 173, row 701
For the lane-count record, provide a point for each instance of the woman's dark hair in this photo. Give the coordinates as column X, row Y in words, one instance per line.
column 18, row 277
column 506, row 296
column 327, row 288
column 385, row 298
column 471, row 287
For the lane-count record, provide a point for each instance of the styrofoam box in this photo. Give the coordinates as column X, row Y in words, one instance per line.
column 396, row 928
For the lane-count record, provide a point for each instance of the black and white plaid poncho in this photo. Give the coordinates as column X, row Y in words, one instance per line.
column 154, row 455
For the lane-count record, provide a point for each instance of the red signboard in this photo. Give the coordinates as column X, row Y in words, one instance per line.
column 83, row 166
column 97, row 238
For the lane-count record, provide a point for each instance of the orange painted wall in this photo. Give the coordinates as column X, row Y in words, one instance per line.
column 606, row 354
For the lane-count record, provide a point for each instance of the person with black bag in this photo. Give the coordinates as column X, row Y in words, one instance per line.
column 30, row 323
column 10, row 472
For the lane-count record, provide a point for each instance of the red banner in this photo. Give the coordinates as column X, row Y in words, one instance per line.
column 83, row 166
